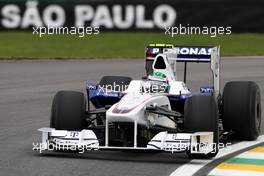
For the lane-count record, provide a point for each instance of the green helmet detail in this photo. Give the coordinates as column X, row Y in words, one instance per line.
column 159, row 74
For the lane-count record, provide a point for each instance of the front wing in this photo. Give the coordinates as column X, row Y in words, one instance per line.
column 199, row 142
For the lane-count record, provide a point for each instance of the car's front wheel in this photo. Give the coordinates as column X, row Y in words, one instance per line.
column 201, row 114
column 68, row 111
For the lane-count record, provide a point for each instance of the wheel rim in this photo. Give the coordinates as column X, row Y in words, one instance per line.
column 258, row 116
column 258, row 112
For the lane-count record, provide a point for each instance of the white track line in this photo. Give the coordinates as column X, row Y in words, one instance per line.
column 251, row 155
column 221, row 172
column 194, row 165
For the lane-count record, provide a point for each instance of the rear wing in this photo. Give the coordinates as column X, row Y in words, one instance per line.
column 198, row 54
column 189, row 54
column 180, row 53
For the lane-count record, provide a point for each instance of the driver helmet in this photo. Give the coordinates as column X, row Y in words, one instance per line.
column 158, row 76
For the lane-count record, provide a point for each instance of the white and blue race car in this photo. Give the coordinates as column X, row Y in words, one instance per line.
column 158, row 112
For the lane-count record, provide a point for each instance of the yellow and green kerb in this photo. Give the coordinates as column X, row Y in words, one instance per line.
column 249, row 163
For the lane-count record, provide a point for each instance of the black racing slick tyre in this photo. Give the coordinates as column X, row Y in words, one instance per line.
column 201, row 114
column 116, row 83
column 68, row 111
column 242, row 109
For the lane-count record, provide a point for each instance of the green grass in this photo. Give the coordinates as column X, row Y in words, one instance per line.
column 118, row 45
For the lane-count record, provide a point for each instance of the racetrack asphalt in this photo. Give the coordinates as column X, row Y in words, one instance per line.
column 26, row 92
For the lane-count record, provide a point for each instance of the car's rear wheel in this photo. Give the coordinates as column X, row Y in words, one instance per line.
column 68, row 111
column 115, row 83
column 201, row 114
column 242, row 109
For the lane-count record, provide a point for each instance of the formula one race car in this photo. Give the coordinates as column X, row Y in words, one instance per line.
column 158, row 112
